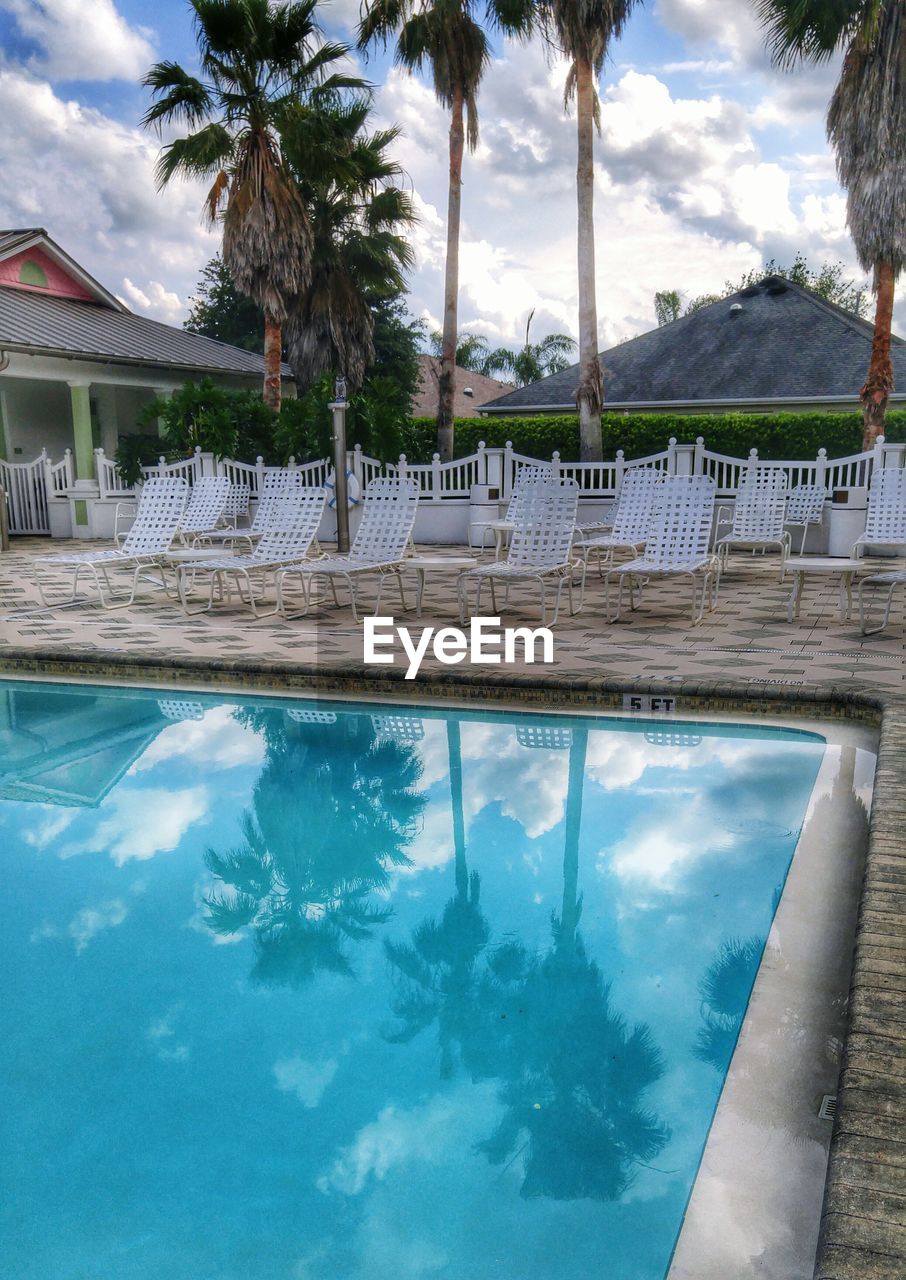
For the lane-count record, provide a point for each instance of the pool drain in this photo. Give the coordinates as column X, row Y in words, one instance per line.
column 828, row 1108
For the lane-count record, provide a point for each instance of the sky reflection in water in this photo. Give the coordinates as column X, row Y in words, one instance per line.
column 308, row 993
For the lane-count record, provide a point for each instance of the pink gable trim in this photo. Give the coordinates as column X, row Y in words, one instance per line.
column 59, row 282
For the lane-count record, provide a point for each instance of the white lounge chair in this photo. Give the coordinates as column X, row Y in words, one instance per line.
column 501, row 529
column 205, row 511
column 892, row 579
column 237, row 505
column 805, row 507
column 159, row 511
column 276, row 482
column 885, row 523
column 631, row 520
column 539, row 551
column 678, row 545
column 379, row 548
column 758, row 517
column 292, row 525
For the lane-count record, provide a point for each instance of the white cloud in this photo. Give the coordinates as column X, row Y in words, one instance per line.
column 155, row 300
column 139, row 824
column 162, row 1035
column 307, row 1080
column 94, row 190
column 91, row 921
column 400, row 1137
column 82, row 41
column 46, row 831
column 216, row 741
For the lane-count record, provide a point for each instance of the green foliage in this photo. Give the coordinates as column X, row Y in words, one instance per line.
column 828, row 282
column 135, row 451
column 218, row 310
column 229, row 424
column 379, row 416
column 774, row 435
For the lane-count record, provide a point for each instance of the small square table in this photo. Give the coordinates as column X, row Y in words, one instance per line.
column 421, row 565
column 802, row 566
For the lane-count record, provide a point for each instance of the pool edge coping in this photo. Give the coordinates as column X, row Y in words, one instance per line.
column 860, row 1236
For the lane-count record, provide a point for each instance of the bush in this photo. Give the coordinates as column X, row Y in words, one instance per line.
column 774, row 435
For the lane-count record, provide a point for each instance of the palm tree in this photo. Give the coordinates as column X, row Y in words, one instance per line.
column 583, row 31
column 438, row 978
column 259, row 60
column 447, row 37
column 331, row 814
column 358, row 216
column 866, row 123
column 535, row 360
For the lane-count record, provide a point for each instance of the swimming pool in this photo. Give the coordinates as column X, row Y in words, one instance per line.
column 313, row 990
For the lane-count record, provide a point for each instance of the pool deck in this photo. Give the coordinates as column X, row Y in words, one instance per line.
column 744, row 654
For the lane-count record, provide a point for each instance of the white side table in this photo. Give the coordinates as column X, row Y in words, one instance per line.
column 422, row 565
column 802, row 566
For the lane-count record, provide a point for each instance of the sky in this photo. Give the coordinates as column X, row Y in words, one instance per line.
column 709, row 162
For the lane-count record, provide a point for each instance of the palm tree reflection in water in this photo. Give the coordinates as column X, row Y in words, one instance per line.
column 332, row 812
column 572, row 1073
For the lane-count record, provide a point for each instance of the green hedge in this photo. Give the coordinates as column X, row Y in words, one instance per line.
column 774, row 435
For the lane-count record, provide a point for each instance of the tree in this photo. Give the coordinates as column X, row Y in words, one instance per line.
column 218, row 310
column 259, row 61
column 445, row 36
column 333, row 810
column 667, row 306
column 866, row 124
column 536, row 360
column 584, row 30
column 359, row 216
column 829, row 282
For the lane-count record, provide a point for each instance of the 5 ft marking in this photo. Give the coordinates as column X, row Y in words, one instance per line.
column 652, row 704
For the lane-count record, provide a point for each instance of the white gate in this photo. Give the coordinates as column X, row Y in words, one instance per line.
column 25, row 484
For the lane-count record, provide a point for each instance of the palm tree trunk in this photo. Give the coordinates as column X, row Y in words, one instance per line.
column 569, row 912
column 879, row 383
column 273, row 346
column 589, row 394
column 454, row 757
column 451, row 283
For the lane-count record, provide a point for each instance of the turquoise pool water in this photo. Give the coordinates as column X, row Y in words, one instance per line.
column 300, row 991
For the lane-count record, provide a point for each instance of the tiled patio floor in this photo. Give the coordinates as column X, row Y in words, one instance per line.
column 745, row 649
column 745, row 640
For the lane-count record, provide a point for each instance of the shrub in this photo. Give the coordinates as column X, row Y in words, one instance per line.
column 774, row 435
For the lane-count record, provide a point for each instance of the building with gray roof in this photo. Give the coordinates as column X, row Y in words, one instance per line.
column 772, row 347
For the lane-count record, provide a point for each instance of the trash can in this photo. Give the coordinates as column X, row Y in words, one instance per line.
column 845, row 520
column 484, row 506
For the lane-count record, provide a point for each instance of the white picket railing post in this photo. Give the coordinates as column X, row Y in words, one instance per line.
column 100, row 472
column 402, row 466
column 821, row 468
column 259, row 475
column 357, row 467
column 619, row 471
column 671, row 456
column 436, row 480
column 555, row 465
column 698, row 463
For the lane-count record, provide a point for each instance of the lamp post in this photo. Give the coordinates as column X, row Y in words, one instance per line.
column 338, row 407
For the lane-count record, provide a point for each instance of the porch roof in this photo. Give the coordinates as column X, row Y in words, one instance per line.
column 43, row 325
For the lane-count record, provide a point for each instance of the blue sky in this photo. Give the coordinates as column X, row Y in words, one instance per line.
column 709, row 162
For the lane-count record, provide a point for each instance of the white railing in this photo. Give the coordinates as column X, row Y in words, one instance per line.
column 31, row 486
column 25, row 486
column 60, row 475
column 110, row 482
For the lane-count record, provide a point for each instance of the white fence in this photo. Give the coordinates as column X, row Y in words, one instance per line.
column 38, row 488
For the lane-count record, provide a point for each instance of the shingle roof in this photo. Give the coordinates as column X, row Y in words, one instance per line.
column 464, row 406
column 82, row 330
column 773, row 341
